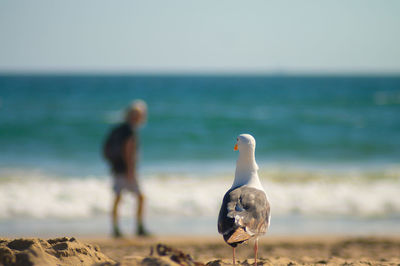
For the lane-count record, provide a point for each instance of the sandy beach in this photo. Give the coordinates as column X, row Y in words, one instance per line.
column 301, row 250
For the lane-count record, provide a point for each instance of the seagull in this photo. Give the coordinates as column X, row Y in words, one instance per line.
column 245, row 211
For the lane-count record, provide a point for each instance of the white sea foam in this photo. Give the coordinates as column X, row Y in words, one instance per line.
column 307, row 192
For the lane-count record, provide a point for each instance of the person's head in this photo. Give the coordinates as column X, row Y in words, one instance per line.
column 136, row 113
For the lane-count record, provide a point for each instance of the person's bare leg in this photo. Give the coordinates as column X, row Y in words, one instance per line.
column 116, row 231
column 139, row 216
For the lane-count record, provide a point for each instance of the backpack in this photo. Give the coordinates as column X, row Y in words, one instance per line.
column 112, row 149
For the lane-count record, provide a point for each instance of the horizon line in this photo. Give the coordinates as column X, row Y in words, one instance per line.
column 198, row 73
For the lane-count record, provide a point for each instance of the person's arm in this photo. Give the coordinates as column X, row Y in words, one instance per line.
column 130, row 158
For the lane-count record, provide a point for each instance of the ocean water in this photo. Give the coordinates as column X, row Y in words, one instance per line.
column 328, row 150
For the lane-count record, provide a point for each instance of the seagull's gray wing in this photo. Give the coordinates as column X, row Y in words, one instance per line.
column 244, row 213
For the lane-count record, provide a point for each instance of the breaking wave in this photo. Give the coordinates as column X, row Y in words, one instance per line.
column 362, row 193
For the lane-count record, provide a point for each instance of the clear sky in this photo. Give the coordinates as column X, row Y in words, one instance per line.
column 205, row 36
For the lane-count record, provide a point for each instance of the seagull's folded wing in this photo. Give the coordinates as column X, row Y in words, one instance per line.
column 244, row 213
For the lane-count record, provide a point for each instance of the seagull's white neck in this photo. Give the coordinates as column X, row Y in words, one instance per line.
column 246, row 170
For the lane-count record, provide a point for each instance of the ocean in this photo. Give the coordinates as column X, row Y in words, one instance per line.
column 328, row 149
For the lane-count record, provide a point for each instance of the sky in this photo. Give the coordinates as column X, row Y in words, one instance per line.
column 207, row 36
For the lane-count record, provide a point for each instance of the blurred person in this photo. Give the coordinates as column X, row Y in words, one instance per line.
column 121, row 152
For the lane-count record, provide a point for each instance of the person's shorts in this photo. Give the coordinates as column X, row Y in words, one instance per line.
column 121, row 183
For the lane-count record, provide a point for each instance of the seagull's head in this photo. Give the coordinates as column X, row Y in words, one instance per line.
column 245, row 142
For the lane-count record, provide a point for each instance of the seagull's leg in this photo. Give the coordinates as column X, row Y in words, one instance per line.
column 255, row 251
column 233, row 255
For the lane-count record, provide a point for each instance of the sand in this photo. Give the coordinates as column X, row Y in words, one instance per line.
column 315, row 250
column 58, row 251
column 303, row 250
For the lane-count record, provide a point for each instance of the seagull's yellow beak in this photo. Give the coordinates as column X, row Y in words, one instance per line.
column 236, row 147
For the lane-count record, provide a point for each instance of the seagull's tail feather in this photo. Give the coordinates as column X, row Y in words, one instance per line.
column 237, row 236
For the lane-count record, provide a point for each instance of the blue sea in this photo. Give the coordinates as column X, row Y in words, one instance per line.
column 328, row 149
